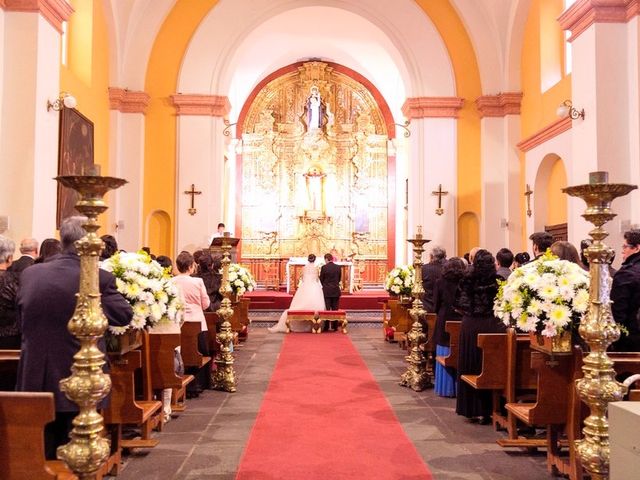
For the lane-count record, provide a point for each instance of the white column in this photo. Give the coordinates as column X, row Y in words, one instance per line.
column 28, row 132
column 126, row 150
column 201, row 150
column 500, row 169
column 433, row 162
column 604, row 83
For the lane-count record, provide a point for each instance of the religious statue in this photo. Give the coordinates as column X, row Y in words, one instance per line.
column 314, row 109
column 314, row 189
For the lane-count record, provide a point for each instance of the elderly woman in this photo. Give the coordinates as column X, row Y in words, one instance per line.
column 9, row 331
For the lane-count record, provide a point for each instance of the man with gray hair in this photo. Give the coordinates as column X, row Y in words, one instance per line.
column 431, row 273
column 46, row 303
column 29, row 251
column 9, row 332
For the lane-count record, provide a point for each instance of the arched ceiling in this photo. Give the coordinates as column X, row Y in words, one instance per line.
column 494, row 26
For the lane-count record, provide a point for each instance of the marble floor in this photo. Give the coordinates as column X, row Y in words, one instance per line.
column 207, row 440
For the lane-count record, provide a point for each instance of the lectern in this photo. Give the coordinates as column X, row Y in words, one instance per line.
column 216, row 247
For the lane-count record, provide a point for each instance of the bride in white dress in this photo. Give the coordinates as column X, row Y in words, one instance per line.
column 308, row 297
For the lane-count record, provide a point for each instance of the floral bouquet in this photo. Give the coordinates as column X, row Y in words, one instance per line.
column 400, row 280
column 546, row 296
column 147, row 287
column 240, row 279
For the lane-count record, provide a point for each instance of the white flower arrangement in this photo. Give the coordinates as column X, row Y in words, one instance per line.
column 147, row 287
column 546, row 296
column 240, row 279
column 400, row 280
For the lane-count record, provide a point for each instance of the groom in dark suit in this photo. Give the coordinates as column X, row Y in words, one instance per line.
column 330, row 276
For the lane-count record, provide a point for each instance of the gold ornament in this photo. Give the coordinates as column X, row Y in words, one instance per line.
column 87, row 385
column 598, row 387
column 416, row 377
column 224, row 377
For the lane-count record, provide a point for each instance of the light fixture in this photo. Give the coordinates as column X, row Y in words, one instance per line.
column 566, row 109
column 64, row 100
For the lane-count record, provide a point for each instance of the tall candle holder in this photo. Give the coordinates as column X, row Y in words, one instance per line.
column 416, row 377
column 224, row 377
column 598, row 387
column 88, row 384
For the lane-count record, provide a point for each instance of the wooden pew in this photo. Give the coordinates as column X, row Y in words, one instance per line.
column 124, row 408
column 23, row 416
column 244, row 321
column 399, row 320
column 9, row 369
column 505, row 371
column 452, row 327
column 192, row 359
column 212, row 320
column 162, row 367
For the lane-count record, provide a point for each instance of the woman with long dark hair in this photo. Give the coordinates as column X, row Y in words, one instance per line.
column 444, row 299
column 474, row 299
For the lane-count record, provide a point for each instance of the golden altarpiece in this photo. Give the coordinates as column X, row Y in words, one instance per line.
column 314, row 175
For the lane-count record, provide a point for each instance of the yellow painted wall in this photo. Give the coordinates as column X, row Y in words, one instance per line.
column 556, row 200
column 538, row 107
column 161, row 81
column 86, row 75
column 160, row 120
column 468, row 86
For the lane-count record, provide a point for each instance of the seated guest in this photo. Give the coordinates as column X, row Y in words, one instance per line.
column 566, row 251
column 625, row 301
column 196, row 300
column 110, row 247
column 29, row 251
column 540, row 242
column 475, row 296
column 431, row 273
column 504, row 260
column 9, row 331
column 521, row 259
column 209, row 272
column 165, row 262
column 46, row 302
column 49, row 248
column 445, row 295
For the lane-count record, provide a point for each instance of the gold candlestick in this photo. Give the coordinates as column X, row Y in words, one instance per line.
column 416, row 377
column 224, row 377
column 87, row 385
column 598, row 387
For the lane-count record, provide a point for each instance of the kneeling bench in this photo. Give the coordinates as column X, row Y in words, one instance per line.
column 333, row 315
column 302, row 316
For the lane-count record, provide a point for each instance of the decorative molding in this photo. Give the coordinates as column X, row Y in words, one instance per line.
column 552, row 130
column 423, row 107
column 499, row 105
column 194, row 104
column 127, row 101
column 584, row 13
column 54, row 11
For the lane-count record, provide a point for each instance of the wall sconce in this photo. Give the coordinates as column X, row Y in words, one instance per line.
column 64, row 100
column 566, row 109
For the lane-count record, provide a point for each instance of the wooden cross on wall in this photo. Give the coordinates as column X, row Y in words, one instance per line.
column 439, row 193
column 193, row 193
column 527, row 193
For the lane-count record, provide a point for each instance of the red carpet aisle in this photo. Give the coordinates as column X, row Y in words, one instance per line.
column 324, row 417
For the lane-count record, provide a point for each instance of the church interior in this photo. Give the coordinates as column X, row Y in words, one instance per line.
column 371, row 134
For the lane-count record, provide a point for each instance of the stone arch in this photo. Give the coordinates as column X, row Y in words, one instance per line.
column 549, row 203
column 158, row 233
column 468, row 232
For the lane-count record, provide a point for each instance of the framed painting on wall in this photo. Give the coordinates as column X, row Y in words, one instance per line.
column 75, row 157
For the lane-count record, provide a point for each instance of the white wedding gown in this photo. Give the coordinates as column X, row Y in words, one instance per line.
column 308, row 297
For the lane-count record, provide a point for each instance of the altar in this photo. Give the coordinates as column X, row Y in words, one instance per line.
column 294, row 272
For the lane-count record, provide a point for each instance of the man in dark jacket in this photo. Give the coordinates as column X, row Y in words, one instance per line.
column 29, row 252
column 431, row 273
column 625, row 300
column 46, row 303
column 330, row 276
